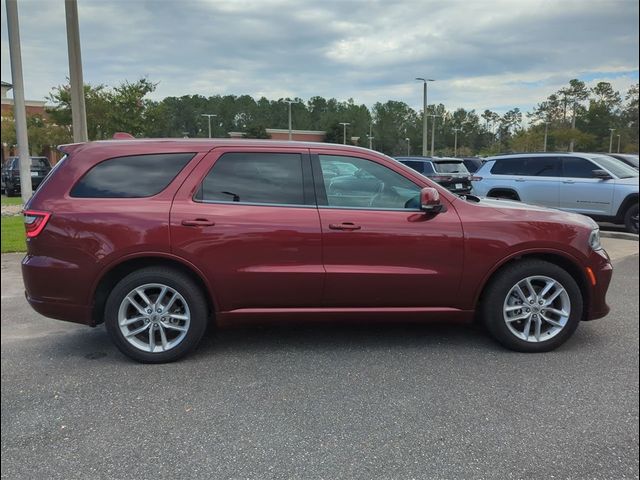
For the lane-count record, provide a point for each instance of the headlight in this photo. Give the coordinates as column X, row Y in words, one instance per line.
column 594, row 239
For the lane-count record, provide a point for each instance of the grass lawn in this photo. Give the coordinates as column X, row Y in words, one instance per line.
column 13, row 234
column 11, row 201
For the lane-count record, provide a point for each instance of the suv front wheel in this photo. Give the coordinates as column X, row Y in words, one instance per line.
column 631, row 219
column 532, row 306
column 156, row 315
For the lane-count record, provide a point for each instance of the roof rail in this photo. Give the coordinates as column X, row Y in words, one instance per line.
column 123, row 136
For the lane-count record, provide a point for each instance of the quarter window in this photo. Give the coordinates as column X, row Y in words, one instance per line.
column 269, row 178
column 131, row 177
column 370, row 185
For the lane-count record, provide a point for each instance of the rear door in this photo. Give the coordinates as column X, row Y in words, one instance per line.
column 248, row 219
column 379, row 249
column 581, row 191
column 535, row 179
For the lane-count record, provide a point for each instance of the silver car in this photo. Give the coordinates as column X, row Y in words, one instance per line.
column 591, row 184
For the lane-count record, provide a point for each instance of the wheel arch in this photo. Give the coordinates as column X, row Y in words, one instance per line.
column 626, row 203
column 117, row 271
column 569, row 264
column 512, row 191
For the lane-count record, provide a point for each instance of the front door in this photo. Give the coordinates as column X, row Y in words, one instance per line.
column 248, row 219
column 581, row 191
column 379, row 249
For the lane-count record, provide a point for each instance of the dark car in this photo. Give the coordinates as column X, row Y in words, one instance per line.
column 40, row 167
column 158, row 239
column 473, row 163
column 629, row 159
column 451, row 173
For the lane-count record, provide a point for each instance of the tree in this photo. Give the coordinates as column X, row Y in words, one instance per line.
column 257, row 131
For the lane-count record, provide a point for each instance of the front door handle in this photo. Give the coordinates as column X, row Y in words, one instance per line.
column 344, row 226
column 198, row 222
column 568, row 181
column 519, row 179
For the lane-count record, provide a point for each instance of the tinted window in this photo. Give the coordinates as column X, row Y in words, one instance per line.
column 272, row 178
column 450, row 167
column 370, row 186
column 578, row 167
column 131, row 177
column 417, row 166
column 39, row 163
column 619, row 169
column 527, row 166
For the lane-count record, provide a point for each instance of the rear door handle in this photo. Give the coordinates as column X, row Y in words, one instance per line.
column 198, row 222
column 344, row 226
column 519, row 179
column 568, row 181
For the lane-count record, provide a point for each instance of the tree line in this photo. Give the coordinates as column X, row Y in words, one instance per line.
column 576, row 117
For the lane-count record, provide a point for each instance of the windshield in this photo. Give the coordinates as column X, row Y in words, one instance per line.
column 614, row 166
column 39, row 162
column 631, row 159
column 450, row 167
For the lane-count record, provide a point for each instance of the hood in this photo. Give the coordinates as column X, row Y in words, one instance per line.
column 525, row 211
column 627, row 181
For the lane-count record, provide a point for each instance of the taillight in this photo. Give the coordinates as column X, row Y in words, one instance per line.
column 475, row 179
column 35, row 221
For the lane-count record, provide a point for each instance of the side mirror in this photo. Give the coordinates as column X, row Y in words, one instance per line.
column 430, row 200
column 602, row 175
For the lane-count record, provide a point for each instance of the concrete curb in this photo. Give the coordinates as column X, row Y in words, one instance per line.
column 619, row 235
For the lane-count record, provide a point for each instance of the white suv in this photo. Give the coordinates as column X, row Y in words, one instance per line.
column 595, row 185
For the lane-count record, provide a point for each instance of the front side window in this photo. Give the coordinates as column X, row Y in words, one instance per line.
column 578, row 167
column 268, row 178
column 135, row 176
column 371, row 185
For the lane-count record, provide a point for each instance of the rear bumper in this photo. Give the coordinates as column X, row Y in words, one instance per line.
column 603, row 271
column 68, row 312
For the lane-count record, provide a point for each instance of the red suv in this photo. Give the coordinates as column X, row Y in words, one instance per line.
column 157, row 238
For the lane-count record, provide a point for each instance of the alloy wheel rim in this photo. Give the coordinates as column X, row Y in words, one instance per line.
column 536, row 309
column 154, row 318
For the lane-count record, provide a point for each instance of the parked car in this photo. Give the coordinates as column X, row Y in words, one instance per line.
column 473, row 163
column 591, row 184
column 159, row 238
column 451, row 173
column 629, row 159
column 40, row 167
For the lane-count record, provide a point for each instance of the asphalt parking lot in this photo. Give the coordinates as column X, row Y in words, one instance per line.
column 388, row 402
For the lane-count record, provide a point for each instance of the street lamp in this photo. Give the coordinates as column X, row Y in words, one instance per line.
column 618, row 143
column 455, row 141
column 408, row 146
column 433, row 131
column 208, row 115
column 611, row 139
column 344, row 132
column 424, row 113
column 370, row 137
column 546, row 132
column 290, row 102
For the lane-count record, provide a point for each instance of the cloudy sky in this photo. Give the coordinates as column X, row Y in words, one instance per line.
column 484, row 54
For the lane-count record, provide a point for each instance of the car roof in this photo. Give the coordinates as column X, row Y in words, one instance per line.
column 543, row 154
column 430, row 159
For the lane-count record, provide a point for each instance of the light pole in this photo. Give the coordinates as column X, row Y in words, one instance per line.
column 290, row 130
column 618, row 143
column 424, row 113
column 78, row 110
column 208, row 115
column 408, row 146
column 344, row 132
column 546, row 132
column 611, row 139
column 370, row 137
column 455, row 141
column 433, row 131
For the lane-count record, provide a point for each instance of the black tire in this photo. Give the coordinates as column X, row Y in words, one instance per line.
column 498, row 289
column 175, row 279
column 631, row 219
column 9, row 191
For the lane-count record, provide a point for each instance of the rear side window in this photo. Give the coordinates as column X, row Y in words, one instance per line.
column 527, row 166
column 131, row 177
column 417, row 166
column 268, row 178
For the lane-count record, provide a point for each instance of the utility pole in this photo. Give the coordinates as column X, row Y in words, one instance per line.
column 618, row 143
column 455, row 141
column 433, row 132
column 370, row 137
column 425, row 130
column 611, row 139
column 19, row 110
column 573, row 126
column 290, row 129
column 208, row 115
column 78, row 111
column 546, row 132
column 344, row 132
column 408, row 146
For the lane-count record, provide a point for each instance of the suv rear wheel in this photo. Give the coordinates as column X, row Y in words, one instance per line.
column 631, row 219
column 532, row 306
column 156, row 315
